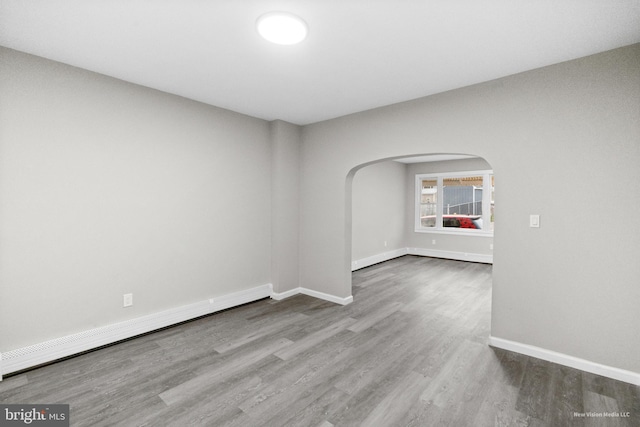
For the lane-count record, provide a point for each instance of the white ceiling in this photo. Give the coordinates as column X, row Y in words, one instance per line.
column 360, row 54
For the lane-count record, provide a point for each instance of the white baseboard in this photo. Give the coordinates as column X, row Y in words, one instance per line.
column 58, row 348
column 566, row 360
column 434, row 253
column 327, row 297
column 48, row 351
column 375, row 259
column 460, row 256
column 312, row 293
column 286, row 294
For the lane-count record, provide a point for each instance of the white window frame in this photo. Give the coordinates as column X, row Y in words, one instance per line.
column 439, row 177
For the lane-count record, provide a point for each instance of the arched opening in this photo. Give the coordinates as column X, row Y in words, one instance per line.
column 457, row 228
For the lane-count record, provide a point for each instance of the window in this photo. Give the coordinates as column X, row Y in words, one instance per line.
column 460, row 202
column 428, row 202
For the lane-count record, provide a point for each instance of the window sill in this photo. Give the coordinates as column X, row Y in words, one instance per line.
column 463, row 232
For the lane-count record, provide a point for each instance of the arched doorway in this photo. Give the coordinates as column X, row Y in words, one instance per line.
column 375, row 191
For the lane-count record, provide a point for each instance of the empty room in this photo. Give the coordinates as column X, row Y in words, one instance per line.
column 279, row 213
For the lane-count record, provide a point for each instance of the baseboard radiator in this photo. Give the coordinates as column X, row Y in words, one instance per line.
column 59, row 348
column 434, row 253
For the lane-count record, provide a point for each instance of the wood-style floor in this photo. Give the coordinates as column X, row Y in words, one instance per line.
column 411, row 350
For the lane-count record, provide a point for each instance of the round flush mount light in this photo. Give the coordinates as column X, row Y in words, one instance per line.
column 282, row 28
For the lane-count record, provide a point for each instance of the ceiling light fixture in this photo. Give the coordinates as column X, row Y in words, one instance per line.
column 282, row 28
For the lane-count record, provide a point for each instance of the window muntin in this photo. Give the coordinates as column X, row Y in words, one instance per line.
column 428, row 202
column 455, row 202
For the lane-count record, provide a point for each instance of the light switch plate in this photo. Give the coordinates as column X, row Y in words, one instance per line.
column 534, row 221
column 127, row 300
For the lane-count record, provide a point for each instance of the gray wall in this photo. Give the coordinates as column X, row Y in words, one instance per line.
column 108, row 188
column 570, row 286
column 379, row 199
column 444, row 242
column 285, row 176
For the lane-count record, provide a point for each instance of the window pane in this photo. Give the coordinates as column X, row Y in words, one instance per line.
column 428, row 201
column 462, row 202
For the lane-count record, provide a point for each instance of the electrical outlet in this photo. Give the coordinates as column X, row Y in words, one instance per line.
column 127, row 300
column 385, row 243
column 491, row 246
column 433, row 242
